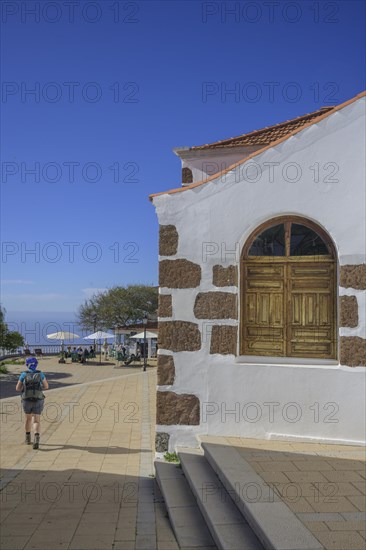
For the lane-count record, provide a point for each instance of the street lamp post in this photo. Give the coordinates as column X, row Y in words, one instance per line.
column 94, row 330
column 145, row 323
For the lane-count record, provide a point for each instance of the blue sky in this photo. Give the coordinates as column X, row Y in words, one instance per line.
column 114, row 93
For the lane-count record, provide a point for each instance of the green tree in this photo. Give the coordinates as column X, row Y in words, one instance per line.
column 3, row 327
column 13, row 340
column 9, row 340
column 118, row 307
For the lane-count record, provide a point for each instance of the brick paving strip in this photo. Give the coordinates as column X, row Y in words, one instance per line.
column 91, row 485
column 324, row 485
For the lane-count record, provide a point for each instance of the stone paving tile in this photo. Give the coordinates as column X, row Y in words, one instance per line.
column 346, row 525
column 300, row 506
column 341, row 540
column 341, row 475
column 100, row 459
column 354, row 516
column 359, row 502
column 275, row 477
column 322, row 484
column 311, row 477
column 13, row 542
column 315, row 526
column 276, row 466
column 361, row 486
column 331, row 504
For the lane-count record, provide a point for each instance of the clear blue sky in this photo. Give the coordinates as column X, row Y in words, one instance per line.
column 149, row 64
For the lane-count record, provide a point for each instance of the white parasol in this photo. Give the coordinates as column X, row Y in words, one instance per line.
column 99, row 335
column 142, row 335
column 62, row 335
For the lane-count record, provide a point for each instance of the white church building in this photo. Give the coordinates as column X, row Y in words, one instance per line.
column 262, row 277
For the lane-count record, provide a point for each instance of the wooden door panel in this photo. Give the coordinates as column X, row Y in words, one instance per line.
column 259, row 284
column 264, row 330
column 310, row 270
column 289, row 309
column 310, row 298
column 265, row 347
column 261, row 271
column 266, row 333
column 310, row 285
column 311, row 334
column 251, row 308
column 310, row 349
column 325, row 309
column 310, row 310
column 277, row 310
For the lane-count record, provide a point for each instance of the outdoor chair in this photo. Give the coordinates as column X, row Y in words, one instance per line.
column 74, row 357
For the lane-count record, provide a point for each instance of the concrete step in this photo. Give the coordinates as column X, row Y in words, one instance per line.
column 228, row 527
column 185, row 517
column 275, row 525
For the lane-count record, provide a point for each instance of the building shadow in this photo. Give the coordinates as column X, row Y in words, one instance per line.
column 81, row 508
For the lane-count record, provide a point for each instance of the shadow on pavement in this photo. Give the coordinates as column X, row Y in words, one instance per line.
column 8, row 382
column 78, row 509
column 99, row 450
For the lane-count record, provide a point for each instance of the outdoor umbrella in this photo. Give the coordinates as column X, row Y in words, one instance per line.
column 62, row 335
column 142, row 335
column 98, row 336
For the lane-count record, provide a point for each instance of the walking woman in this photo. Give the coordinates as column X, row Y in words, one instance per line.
column 31, row 383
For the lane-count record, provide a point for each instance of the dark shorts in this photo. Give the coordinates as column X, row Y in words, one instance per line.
column 33, row 407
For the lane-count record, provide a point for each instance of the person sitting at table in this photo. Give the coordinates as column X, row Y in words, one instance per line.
column 80, row 353
column 85, row 355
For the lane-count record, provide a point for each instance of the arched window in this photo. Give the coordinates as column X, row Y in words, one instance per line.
column 288, row 291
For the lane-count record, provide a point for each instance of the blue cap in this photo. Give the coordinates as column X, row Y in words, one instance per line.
column 31, row 363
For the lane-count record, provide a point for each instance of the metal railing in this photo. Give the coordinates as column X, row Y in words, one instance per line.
column 53, row 349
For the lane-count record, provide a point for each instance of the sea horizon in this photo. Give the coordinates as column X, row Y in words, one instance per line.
column 34, row 326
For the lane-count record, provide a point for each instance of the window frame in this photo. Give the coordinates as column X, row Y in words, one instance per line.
column 287, row 221
column 332, row 257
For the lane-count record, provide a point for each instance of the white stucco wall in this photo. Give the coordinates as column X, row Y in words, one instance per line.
column 205, row 163
column 213, row 221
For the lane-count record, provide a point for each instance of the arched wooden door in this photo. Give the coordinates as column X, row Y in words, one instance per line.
column 288, row 291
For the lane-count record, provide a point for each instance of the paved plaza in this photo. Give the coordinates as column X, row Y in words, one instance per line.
column 91, row 484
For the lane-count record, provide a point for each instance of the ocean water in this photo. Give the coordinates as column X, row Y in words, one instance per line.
column 34, row 327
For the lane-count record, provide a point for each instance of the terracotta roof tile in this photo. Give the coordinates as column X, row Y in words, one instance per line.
column 297, row 126
column 266, row 135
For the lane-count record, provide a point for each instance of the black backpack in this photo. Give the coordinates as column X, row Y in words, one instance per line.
column 32, row 386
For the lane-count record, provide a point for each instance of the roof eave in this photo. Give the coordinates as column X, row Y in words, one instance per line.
column 259, row 151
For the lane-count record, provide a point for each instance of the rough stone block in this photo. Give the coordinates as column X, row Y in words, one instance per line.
column 165, row 305
column 173, row 408
column 187, row 176
column 225, row 276
column 353, row 351
column 179, row 274
column 161, row 442
column 353, row 276
column 216, row 305
column 223, row 340
column 179, row 336
column 168, row 240
column 349, row 311
column 166, row 370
